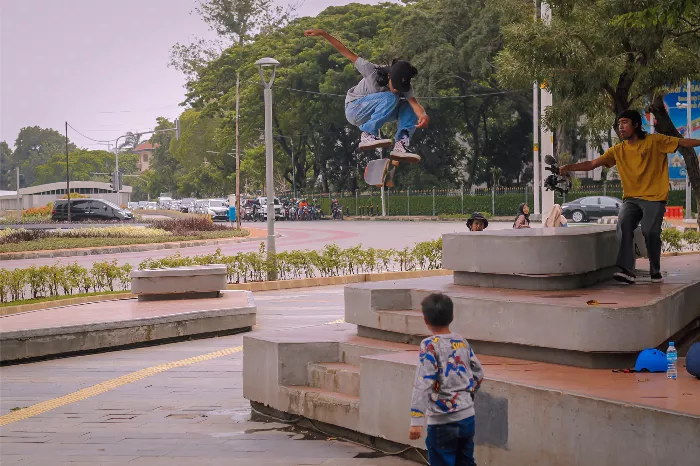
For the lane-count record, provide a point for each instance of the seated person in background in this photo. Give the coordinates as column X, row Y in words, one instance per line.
column 522, row 220
column 555, row 218
column 477, row 222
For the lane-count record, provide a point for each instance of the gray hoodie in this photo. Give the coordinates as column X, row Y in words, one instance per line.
column 447, row 375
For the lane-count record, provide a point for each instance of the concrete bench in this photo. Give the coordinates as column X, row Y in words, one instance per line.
column 201, row 281
column 532, row 259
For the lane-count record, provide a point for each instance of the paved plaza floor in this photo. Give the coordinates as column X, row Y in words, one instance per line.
column 174, row 404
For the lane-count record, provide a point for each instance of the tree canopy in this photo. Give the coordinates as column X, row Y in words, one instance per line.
column 599, row 58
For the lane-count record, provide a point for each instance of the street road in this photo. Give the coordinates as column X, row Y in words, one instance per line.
column 190, row 415
column 294, row 235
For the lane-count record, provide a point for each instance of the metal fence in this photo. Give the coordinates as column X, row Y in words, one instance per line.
column 457, row 202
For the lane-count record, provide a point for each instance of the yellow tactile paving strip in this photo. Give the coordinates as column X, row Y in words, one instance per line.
column 108, row 385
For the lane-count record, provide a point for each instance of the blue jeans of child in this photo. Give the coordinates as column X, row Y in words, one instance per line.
column 371, row 112
column 451, row 444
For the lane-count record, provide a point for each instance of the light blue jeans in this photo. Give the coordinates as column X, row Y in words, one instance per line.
column 372, row 111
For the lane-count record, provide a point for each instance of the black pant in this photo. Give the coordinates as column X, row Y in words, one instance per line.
column 651, row 214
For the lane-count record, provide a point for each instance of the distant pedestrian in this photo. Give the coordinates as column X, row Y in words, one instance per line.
column 477, row 222
column 447, row 378
column 522, row 220
column 555, row 218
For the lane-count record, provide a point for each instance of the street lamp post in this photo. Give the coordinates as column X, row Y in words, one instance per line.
column 261, row 64
column 176, row 129
column 688, row 134
column 547, row 140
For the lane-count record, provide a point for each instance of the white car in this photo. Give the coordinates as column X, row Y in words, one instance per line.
column 277, row 204
column 217, row 209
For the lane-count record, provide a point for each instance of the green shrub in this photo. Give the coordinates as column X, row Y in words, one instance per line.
column 672, row 240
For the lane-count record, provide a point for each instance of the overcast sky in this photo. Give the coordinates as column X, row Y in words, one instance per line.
column 101, row 65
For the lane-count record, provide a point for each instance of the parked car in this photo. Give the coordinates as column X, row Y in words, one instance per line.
column 277, row 204
column 589, row 208
column 97, row 210
column 217, row 209
column 187, row 205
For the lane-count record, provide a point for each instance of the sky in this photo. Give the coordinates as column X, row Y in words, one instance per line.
column 101, row 65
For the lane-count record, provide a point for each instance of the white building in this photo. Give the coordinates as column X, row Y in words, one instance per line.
column 41, row 195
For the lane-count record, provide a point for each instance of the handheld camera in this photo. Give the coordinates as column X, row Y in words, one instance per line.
column 555, row 181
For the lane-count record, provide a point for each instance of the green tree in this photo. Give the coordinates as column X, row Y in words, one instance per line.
column 599, row 58
column 84, row 164
column 35, row 146
column 5, row 166
column 163, row 165
column 453, row 44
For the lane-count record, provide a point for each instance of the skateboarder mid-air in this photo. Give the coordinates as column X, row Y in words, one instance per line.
column 383, row 95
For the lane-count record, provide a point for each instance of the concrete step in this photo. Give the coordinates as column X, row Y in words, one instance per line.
column 354, row 348
column 407, row 322
column 323, row 405
column 335, row 377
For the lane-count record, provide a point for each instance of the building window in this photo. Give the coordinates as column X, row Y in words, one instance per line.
column 145, row 158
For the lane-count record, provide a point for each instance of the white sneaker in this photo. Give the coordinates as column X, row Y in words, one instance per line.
column 658, row 278
column 403, row 153
column 370, row 141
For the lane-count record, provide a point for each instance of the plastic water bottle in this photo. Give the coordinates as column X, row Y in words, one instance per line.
column 671, row 360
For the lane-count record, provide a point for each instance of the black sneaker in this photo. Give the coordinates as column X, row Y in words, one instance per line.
column 402, row 153
column 625, row 277
column 657, row 278
column 370, row 141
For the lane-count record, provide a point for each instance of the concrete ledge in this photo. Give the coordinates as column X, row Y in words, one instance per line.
column 534, row 283
column 188, row 280
column 342, row 280
column 624, row 320
column 7, row 310
column 651, row 420
column 26, row 336
column 517, row 257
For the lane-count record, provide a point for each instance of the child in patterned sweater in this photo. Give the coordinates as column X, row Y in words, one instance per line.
column 447, row 378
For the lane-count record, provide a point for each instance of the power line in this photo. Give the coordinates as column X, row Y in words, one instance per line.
column 87, row 137
column 482, row 94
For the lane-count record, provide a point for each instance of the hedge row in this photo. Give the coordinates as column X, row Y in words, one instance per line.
column 331, row 261
column 58, row 280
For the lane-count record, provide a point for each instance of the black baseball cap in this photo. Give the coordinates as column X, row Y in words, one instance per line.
column 400, row 74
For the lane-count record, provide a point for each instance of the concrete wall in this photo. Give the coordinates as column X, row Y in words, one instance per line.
column 516, row 424
column 526, row 322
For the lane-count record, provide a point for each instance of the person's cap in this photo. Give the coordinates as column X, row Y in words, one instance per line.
column 401, row 73
column 477, row 216
column 651, row 360
column 633, row 115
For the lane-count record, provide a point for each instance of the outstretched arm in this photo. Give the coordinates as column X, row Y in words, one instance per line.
column 334, row 42
column 585, row 166
column 423, row 118
column 689, row 143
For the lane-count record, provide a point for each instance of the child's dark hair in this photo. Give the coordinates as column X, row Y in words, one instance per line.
column 437, row 309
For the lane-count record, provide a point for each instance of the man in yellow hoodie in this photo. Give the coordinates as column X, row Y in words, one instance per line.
column 643, row 167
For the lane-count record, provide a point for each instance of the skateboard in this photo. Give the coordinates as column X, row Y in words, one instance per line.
column 376, row 171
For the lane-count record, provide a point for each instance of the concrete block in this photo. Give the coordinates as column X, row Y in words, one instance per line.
column 536, row 258
column 179, row 280
column 139, row 323
column 335, row 377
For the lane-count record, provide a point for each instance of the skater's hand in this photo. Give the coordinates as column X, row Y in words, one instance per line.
column 423, row 121
column 415, row 432
column 314, row 32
